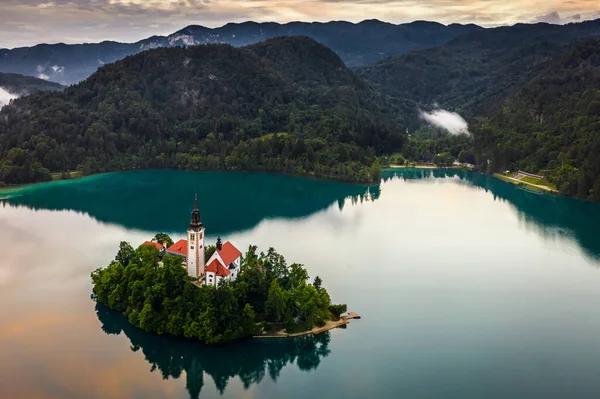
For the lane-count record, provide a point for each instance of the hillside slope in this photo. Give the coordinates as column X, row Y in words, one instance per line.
column 552, row 124
column 475, row 73
column 206, row 107
column 356, row 44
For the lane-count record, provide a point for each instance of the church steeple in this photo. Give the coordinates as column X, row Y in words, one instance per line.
column 219, row 243
column 195, row 224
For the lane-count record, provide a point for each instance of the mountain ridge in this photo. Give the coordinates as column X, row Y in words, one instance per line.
column 356, row 43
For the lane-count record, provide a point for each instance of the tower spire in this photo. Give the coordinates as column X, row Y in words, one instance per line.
column 195, row 224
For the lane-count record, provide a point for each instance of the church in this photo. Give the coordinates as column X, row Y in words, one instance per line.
column 224, row 263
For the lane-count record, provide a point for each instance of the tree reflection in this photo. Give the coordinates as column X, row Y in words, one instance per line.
column 159, row 200
column 249, row 360
column 549, row 214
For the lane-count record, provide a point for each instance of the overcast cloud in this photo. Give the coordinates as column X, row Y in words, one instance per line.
column 28, row 22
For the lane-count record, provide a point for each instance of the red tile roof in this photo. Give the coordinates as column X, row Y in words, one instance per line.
column 229, row 253
column 180, row 247
column 156, row 244
column 216, row 267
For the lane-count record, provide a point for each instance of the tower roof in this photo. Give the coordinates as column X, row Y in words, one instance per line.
column 195, row 224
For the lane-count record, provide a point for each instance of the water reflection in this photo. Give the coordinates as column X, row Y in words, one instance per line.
column 548, row 214
column 251, row 360
column 161, row 200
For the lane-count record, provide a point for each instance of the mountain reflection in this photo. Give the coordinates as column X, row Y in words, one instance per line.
column 250, row 360
column 160, row 200
column 550, row 214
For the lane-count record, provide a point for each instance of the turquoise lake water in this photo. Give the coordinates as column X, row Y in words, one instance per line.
column 468, row 287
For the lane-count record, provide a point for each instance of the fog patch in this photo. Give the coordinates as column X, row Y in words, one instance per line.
column 449, row 121
column 5, row 97
column 43, row 76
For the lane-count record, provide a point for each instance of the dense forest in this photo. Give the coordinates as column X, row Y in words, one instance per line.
column 530, row 93
column 286, row 105
column 552, row 125
column 160, row 297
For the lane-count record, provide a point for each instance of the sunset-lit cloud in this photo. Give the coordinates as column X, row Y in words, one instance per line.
column 27, row 22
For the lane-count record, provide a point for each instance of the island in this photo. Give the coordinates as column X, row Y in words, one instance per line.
column 167, row 287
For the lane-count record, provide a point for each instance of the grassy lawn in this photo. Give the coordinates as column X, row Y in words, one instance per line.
column 527, row 184
column 539, row 182
column 72, row 175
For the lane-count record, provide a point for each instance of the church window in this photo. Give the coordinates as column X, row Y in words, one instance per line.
column 192, row 247
column 192, row 236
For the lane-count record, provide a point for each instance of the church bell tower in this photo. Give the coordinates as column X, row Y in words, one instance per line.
column 195, row 236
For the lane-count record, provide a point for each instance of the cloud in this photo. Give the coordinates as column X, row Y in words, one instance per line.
column 43, row 76
column 555, row 18
column 450, row 121
column 550, row 18
column 5, row 97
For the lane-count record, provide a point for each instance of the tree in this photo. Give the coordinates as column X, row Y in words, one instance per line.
column 317, row 283
column 125, row 254
column 162, row 238
column 276, row 302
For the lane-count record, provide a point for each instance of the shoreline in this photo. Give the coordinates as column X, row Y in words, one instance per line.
column 329, row 325
column 531, row 186
column 396, row 167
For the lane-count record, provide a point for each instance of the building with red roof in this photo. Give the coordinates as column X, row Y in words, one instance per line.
column 225, row 262
column 179, row 248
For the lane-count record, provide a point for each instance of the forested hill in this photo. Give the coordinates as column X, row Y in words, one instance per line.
column 552, row 124
column 356, row 44
column 21, row 85
column 473, row 74
column 287, row 105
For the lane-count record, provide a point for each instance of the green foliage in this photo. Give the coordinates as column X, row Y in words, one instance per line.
column 276, row 302
column 125, row 254
column 162, row 238
column 337, row 310
column 546, row 128
column 211, row 107
column 164, row 301
column 443, row 159
column 318, row 283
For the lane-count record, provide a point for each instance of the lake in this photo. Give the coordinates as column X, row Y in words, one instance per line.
column 468, row 287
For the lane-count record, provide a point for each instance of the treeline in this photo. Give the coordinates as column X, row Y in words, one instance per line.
column 207, row 108
column 163, row 300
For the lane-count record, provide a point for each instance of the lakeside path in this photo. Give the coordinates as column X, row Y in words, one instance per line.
column 329, row 325
column 518, row 182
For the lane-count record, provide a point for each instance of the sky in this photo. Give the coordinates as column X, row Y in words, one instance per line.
column 29, row 22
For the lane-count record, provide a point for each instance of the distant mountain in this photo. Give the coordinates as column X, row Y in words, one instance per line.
column 474, row 74
column 286, row 105
column 22, row 85
column 356, row 44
